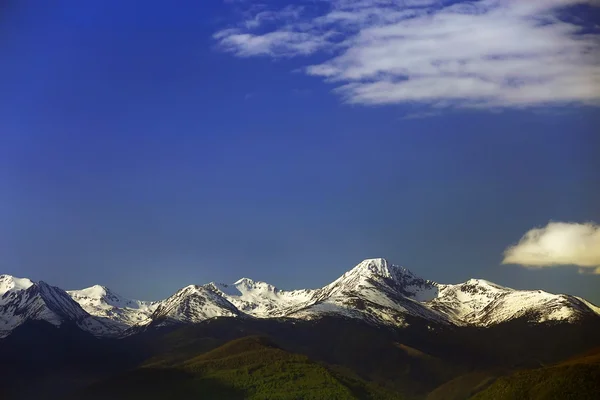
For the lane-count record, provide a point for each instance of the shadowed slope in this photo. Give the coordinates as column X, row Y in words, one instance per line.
column 576, row 378
column 248, row 368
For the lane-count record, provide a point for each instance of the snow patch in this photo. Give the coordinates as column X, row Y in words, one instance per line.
column 10, row 283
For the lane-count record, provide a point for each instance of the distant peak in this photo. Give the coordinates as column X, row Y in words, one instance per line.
column 188, row 290
column 475, row 281
column 374, row 263
column 12, row 283
column 11, row 278
column 483, row 282
column 99, row 288
column 246, row 284
column 377, row 260
column 380, row 267
column 244, row 281
column 96, row 291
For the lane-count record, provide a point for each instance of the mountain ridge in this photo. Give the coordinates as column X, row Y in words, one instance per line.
column 375, row 290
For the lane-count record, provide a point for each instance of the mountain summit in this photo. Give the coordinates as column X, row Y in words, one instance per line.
column 10, row 283
column 379, row 267
column 379, row 272
column 102, row 302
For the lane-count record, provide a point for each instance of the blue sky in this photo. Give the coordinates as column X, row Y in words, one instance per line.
column 146, row 147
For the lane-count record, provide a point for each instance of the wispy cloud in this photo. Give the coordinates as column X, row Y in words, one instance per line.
column 486, row 53
column 275, row 44
column 558, row 244
column 259, row 18
column 421, row 115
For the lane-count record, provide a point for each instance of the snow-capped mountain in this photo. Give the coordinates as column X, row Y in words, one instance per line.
column 10, row 285
column 102, row 302
column 375, row 290
column 466, row 299
column 380, row 292
column 193, row 304
column 24, row 300
column 261, row 300
column 483, row 303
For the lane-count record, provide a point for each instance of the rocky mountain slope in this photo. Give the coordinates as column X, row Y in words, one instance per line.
column 193, row 304
column 102, row 302
column 482, row 303
column 23, row 300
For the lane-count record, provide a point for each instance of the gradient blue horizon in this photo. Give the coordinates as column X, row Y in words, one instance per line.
column 135, row 155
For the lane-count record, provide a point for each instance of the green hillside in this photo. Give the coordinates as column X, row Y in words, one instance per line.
column 463, row 387
column 577, row 378
column 246, row 368
column 398, row 362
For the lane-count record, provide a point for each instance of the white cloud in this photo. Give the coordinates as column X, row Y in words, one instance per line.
column 557, row 244
column 421, row 115
column 275, row 44
column 486, row 53
column 287, row 14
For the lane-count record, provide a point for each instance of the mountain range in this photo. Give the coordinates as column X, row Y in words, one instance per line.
column 375, row 291
column 377, row 332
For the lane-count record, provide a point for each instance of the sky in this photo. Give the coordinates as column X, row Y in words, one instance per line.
column 146, row 146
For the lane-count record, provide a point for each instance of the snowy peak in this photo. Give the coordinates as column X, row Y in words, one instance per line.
column 483, row 303
column 95, row 291
column 532, row 305
column 10, row 283
column 379, row 267
column 39, row 301
column 378, row 291
column 374, row 266
column 483, row 285
column 262, row 300
column 102, row 295
column 244, row 281
column 101, row 302
column 246, row 285
column 193, row 304
column 58, row 301
column 381, row 274
column 465, row 300
column 94, row 294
